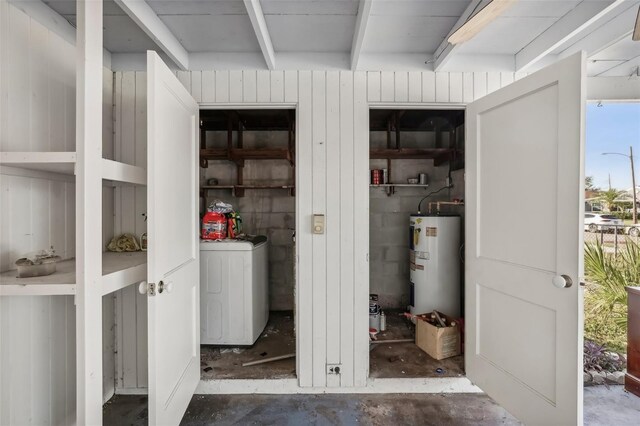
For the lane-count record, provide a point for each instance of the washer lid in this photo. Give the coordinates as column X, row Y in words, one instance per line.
column 247, row 244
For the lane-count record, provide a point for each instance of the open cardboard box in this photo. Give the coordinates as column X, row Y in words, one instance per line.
column 438, row 342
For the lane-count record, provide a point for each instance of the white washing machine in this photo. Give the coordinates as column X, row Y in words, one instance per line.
column 234, row 291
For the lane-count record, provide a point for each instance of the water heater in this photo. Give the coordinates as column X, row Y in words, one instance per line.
column 434, row 264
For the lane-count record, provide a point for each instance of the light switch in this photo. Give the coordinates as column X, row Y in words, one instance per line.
column 318, row 224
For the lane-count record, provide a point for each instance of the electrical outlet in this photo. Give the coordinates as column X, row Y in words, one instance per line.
column 334, row 368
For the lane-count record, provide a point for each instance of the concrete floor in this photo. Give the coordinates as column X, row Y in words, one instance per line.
column 602, row 406
column 278, row 338
column 386, row 360
column 406, row 359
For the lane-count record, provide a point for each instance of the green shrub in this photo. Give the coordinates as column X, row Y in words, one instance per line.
column 605, row 295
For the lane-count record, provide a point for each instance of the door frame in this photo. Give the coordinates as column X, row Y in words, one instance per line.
column 276, row 105
column 393, row 105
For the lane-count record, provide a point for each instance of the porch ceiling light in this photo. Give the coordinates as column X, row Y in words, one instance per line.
column 477, row 22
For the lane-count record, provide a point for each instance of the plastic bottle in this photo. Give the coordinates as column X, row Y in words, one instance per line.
column 383, row 321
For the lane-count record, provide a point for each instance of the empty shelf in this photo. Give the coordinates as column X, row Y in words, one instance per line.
column 119, row 270
column 55, row 162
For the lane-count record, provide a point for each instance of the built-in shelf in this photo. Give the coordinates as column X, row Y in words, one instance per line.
column 119, row 270
column 65, row 163
column 53, row 162
column 402, row 185
column 234, row 188
column 239, row 154
column 390, row 188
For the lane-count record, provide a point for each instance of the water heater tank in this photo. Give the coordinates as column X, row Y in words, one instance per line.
column 434, row 264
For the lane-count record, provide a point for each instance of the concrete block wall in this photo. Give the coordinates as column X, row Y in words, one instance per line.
column 269, row 212
column 389, row 218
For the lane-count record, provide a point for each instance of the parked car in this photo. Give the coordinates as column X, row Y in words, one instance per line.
column 594, row 222
column 634, row 230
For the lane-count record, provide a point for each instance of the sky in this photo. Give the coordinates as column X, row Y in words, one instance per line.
column 613, row 127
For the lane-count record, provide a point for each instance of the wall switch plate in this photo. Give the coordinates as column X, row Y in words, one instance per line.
column 318, row 224
column 334, row 368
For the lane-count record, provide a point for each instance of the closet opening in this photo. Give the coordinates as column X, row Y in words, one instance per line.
column 247, row 245
column 416, row 207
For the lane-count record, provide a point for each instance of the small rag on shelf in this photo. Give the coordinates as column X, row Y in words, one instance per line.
column 125, row 242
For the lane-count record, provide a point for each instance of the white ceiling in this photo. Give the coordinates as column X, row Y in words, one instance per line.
column 326, row 29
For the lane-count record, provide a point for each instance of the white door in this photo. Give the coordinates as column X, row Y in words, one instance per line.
column 524, row 188
column 172, row 185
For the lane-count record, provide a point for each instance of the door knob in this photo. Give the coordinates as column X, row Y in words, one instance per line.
column 562, row 281
column 162, row 287
column 142, row 287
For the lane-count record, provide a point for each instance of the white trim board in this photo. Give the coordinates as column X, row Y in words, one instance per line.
column 378, row 386
column 290, row 387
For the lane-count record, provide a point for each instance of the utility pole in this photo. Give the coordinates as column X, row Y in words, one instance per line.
column 633, row 181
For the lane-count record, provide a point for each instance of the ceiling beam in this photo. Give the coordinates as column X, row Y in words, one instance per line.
column 577, row 20
column 254, row 9
column 150, row 23
column 364, row 11
column 608, row 31
column 445, row 51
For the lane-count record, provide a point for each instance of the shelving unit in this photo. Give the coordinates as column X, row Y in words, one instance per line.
column 119, row 270
column 238, row 154
column 65, row 162
column 391, row 187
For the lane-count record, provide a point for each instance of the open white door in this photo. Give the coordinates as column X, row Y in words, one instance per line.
column 172, row 185
column 524, row 189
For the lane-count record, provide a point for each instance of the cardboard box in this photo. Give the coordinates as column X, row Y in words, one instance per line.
column 438, row 342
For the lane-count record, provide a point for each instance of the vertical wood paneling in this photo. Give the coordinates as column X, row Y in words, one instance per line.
column 415, row 86
column 479, row 84
column 18, row 76
column 249, row 88
column 506, row 78
column 185, row 79
column 361, row 228
column 39, row 88
column 332, row 179
column 290, row 86
column 264, row 86
column 467, row 87
column 277, row 86
column 196, row 85
column 222, row 86
column 208, row 86
column 428, row 87
column 347, row 226
column 387, row 86
column 333, row 250
column 401, row 87
column 373, row 86
column 442, row 87
column 304, row 237
column 36, row 390
column 235, row 86
column 493, row 81
column 455, row 87
column 319, row 202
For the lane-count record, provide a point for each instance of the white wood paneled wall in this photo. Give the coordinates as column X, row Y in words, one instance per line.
column 37, row 210
column 332, row 166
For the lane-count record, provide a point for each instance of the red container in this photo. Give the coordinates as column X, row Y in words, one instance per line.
column 214, row 226
column 376, row 176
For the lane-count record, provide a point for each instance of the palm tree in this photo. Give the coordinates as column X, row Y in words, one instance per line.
column 610, row 197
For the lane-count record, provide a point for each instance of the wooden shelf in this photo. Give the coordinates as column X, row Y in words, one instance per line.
column 65, row 163
column 53, row 162
column 401, row 185
column 239, row 154
column 119, row 270
column 409, row 153
column 234, row 188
